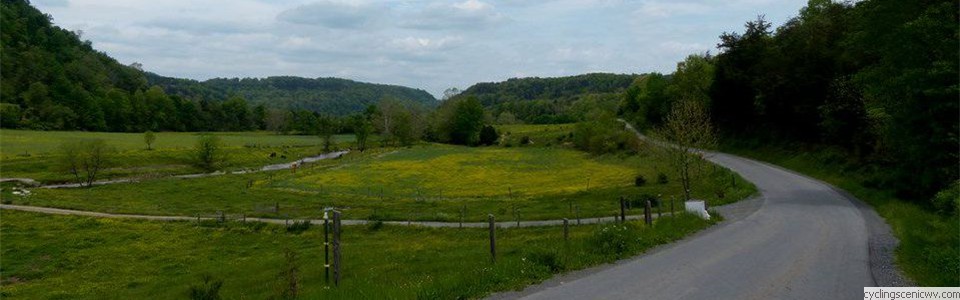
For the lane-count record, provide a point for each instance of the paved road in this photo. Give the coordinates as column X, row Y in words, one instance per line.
column 804, row 241
column 502, row 224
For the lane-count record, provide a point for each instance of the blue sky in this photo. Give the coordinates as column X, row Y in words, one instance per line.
column 432, row 45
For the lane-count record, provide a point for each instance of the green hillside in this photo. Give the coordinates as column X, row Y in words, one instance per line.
column 549, row 100
column 326, row 95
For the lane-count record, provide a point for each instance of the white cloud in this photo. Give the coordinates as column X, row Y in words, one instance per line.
column 429, row 44
column 332, row 14
column 663, row 9
column 470, row 14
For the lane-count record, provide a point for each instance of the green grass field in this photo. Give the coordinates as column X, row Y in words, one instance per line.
column 929, row 250
column 33, row 154
column 67, row 257
column 425, row 182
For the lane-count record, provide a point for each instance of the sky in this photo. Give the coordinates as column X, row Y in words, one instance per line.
column 425, row 44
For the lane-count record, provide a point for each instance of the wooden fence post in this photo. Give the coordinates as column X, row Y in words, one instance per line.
column 493, row 238
column 623, row 209
column 659, row 208
column 578, row 214
column 647, row 217
column 516, row 213
column 566, row 229
column 336, row 248
column 326, row 248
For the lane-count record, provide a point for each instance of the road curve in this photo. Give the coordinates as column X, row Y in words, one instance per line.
column 805, row 241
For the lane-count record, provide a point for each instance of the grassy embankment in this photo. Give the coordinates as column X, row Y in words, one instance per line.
column 425, row 182
column 929, row 250
column 33, row 154
column 68, row 257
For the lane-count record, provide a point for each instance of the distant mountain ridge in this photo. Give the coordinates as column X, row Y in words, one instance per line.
column 329, row 95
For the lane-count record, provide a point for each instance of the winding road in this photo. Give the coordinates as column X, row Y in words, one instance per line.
column 802, row 239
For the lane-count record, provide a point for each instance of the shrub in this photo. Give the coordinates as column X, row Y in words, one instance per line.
column 525, row 140
column 947, row 201
column 375, row 225
column 488, row 135
column 640, row 201
column 662, row 178
column 149, row 137
column 208, row 289
column 208, row 153
column 298, row 227
column 639, row 180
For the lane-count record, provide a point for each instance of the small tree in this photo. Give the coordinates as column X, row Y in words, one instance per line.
column 488, row 135
column 208, row 153
column 149, row 137
column 362, row 129
column 84, row 160
column 326, row 127
column 687, row 128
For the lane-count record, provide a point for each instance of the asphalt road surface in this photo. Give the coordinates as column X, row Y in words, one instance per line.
column 804, row 240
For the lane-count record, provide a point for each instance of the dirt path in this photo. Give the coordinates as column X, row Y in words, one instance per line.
column 273, row 167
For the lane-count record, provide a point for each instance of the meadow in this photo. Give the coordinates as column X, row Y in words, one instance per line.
column 431, row 182
column 34, row 154
column 69, row 257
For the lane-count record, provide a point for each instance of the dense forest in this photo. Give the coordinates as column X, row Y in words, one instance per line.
column 547, row 100
column 50, row 79
column 875, row 79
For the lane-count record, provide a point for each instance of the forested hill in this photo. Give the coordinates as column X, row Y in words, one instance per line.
column 546, row 100
column 50, row 79
column 326, row 95
column 53, row 80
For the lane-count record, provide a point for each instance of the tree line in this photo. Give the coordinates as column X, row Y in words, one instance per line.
column 876, row 79
column 537, row 100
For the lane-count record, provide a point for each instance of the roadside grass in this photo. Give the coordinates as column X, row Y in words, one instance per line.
column 71, row 257
column 426, row 182
column 929, row 251
column 33, row 154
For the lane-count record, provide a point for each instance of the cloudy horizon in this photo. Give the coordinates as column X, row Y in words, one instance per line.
column 430, row 45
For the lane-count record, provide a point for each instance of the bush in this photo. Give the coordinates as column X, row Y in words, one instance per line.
column 208, row 289
column 208, row 153
column 298, row 227
column 662, row 178
column 488, row 135
column 947, row 201
column 525, row 140
column 639, row 180
column 641, row 201
column 375, row 225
